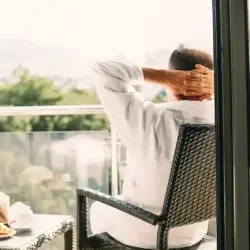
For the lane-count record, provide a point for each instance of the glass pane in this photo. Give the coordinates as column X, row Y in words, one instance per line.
column 43, row 169
column 121, row 162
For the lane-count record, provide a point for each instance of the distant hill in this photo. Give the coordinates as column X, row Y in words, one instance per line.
column 65, row 68
column 43, row 60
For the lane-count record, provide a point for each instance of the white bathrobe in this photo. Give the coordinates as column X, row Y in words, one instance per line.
column 150, row 133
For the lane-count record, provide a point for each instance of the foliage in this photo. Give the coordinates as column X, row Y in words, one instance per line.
column 40, row 197
column 17, row 154
column 161, row 96
column 32, row 90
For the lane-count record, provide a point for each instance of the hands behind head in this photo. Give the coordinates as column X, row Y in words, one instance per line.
column 198, row 82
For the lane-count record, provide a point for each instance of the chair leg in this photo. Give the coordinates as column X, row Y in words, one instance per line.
column 68, row 240
column 82, row 221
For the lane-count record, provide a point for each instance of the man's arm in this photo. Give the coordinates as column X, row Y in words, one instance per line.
column 173, row 80
column 164, row 77
column 197, row 82
column 124, row 106
column 154, row 75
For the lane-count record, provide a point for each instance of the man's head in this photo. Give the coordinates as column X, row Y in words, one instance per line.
column 185, row 59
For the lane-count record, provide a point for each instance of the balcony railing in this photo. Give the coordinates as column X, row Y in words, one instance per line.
column 51, row 110
column 42, row 169
column 71, row 110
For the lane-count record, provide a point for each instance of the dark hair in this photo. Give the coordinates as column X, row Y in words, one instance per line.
column 186, row 59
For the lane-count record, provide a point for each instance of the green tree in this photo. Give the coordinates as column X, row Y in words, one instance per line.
column 161, row 97
column 32, row 90
column 29, row 90
column 76, row 96
column 39, row 197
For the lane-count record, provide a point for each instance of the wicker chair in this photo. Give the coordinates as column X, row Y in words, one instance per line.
column 190, row 196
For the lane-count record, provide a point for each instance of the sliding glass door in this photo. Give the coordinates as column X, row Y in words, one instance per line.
column 232, row 122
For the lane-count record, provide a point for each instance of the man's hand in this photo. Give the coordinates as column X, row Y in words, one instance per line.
column 200, row 82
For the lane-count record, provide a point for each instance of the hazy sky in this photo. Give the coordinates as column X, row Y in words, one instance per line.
column 102, row 28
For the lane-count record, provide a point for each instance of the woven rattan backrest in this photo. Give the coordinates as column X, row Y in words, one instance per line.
column 191, row 192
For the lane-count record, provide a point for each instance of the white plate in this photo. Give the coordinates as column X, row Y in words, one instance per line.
column 4, row 237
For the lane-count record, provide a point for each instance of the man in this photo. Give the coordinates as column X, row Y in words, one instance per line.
column 150, row 134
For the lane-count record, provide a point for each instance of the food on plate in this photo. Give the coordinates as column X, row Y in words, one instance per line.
column 5, row 230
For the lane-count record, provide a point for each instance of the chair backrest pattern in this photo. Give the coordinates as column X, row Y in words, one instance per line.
column 191, row 192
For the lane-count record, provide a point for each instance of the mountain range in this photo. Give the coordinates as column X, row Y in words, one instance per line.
column 40, row 59
column 64, row 67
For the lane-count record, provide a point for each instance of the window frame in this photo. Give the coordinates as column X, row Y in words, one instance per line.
column 231, row 53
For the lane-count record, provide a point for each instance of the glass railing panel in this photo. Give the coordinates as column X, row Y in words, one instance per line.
column 43, row 169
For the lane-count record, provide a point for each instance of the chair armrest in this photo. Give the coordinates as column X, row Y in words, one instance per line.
column 119, row 204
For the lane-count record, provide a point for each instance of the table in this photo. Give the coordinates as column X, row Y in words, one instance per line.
column 45, row 229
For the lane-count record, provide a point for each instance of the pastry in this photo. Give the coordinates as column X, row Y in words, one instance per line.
column 5, row 230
